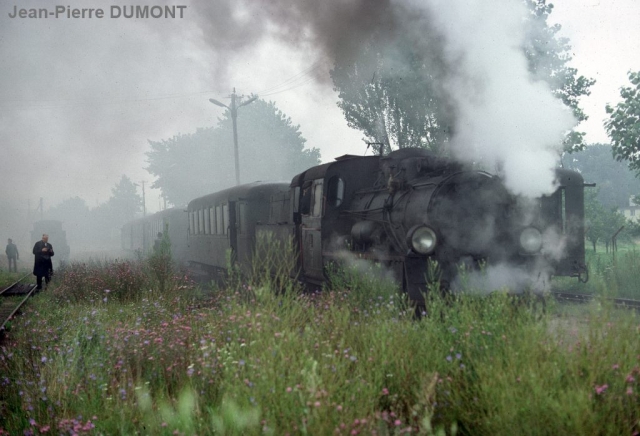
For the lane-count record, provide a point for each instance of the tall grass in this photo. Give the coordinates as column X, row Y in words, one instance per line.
column 609, row 275
column 339, row 362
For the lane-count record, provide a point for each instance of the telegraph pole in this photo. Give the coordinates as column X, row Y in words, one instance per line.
column 233, row 109
column 144, row 202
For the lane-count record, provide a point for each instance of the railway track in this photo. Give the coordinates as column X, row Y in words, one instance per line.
column 576, row 297
column 12, row 298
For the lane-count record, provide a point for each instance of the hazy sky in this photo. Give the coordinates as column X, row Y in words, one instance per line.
column 79, row 98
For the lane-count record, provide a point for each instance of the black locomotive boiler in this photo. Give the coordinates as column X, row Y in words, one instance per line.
column 399, row 210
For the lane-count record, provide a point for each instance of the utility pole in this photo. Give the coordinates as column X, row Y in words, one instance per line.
column 144, row 202
column 233, row 109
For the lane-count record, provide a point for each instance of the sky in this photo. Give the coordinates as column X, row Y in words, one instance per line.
column 81, row 98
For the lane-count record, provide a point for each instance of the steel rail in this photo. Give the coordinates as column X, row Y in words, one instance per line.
column 585, row 298
column 28, row 294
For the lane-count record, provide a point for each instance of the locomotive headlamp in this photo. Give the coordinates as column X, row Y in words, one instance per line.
column 422, row 239
column 531, row 240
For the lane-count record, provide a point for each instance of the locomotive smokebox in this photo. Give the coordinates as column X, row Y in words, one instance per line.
column 362, row 232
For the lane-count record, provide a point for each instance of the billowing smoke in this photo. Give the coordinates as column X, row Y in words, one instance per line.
column 501, row 116
column 505, row 117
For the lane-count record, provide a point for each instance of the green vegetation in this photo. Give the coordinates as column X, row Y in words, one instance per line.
column 610, row 275
column 7, row 278
column 105, row 352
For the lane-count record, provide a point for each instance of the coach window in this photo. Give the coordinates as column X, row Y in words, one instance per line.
column 212, row 219
column 335, row 191
column 201, row 221
column 225, row 218
column 191, row 223
column 305, row 198
column 219, row 220
column 206, row 221
column 317, row 198
column 295, row 200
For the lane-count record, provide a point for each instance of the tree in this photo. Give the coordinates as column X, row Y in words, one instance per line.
column 391, row 94
column 124, row 203
column 601, row 222
column 623, row 125
column 393, row 91
column 616, row 184
column 191, row 165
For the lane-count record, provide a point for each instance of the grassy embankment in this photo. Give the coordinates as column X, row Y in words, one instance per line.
column 106, row 352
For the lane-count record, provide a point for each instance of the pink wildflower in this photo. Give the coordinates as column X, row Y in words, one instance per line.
column 629, row 390
column 385, row 391
column 616, row 366
column 601, row 389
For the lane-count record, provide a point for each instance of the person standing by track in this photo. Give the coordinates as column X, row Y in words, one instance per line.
column 43, row 267
column 12, row 255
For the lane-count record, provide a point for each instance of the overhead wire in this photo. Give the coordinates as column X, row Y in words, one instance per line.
column 293, row 82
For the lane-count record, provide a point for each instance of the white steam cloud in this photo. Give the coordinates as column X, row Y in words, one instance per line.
column 505, row 118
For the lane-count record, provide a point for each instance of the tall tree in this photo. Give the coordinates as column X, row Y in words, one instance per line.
column 623, row 125
column 393, row 90
column 271, row 147
column 125, row 202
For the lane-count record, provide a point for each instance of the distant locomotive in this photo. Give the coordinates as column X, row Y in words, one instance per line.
column 57, row 238
column 399, row 210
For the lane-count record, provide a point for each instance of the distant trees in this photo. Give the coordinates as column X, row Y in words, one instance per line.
column 623, row 125
column 601, row 222
column 195, row 164
column 616, row 184
column 98, row 228
column 392, row 92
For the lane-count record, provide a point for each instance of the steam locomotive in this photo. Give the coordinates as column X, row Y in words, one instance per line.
column 401, row 210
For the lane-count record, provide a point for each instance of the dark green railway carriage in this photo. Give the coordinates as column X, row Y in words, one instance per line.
column 226, row 222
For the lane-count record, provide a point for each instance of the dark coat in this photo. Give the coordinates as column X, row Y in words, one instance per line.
column 12, row 251
column 42, row 265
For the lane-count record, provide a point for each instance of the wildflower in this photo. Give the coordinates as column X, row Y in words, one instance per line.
column 397, row 422
column 630, row 379
column 601, row 389
column 459, row 356
column 339, row 408
column 616, row 366
column 449, row 358
column 385, row 391
column 289, row 389
column 629, row 390
column 44, row 359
